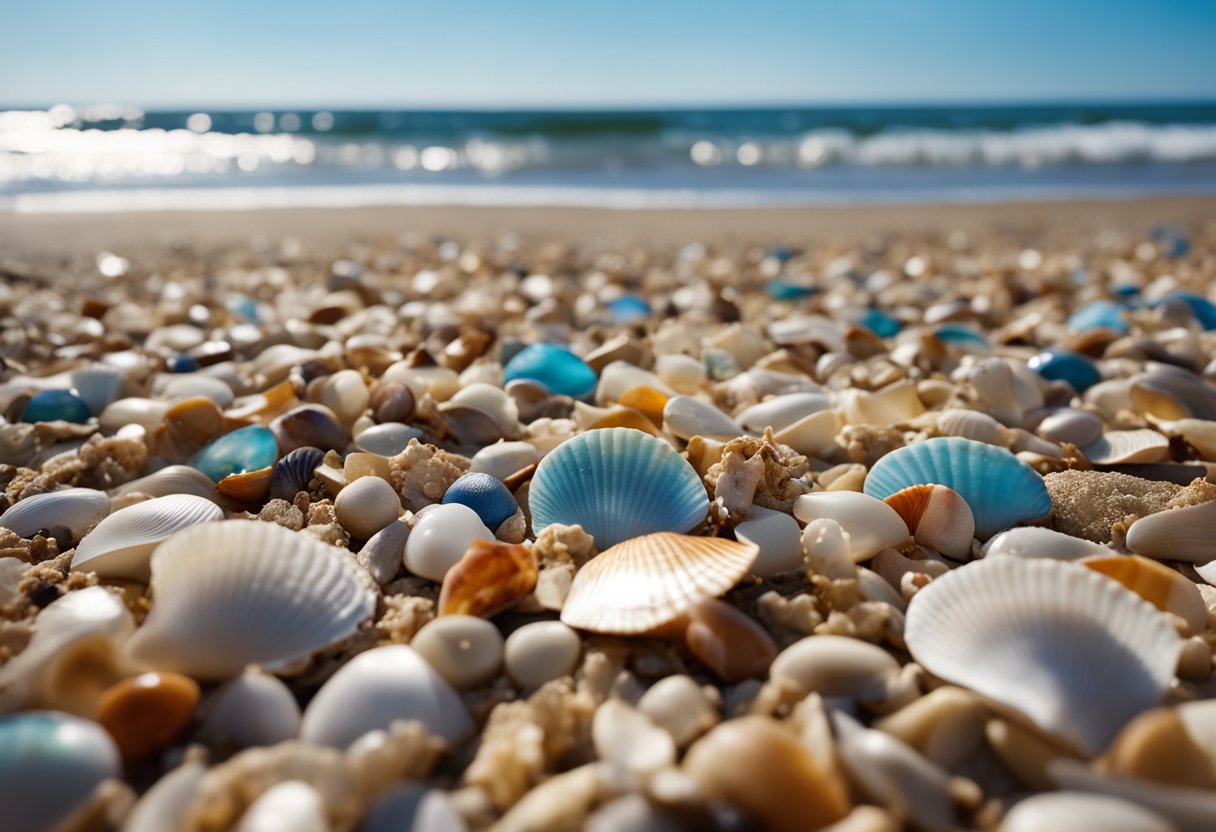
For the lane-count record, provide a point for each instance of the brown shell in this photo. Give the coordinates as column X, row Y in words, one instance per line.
column 147, row 713
column 250, row 488
column 490, row 577
column 937, row 517
column 188, row 427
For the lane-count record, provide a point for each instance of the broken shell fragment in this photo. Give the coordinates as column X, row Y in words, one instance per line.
column 488, row 578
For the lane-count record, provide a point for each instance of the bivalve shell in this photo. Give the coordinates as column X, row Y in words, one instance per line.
column 1119, row 447
column 1080, row 812
column 778, row 538
column 171, row 480
column 249, row 710
column 1166, row 589
column 440, row 537
column 1186, row 534
column 77, row 509
column 1037, row 542
column 871, row 525
column 121, row 545
column 937, row 517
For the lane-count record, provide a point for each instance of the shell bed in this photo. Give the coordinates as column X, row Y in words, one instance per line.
column 491, row 535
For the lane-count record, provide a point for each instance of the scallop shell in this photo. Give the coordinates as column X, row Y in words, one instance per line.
column 1119, row 447
column 380, row 687
column 937, row 517
column 238, row 592
column 616, row 483
column 1186, row 534
column 649, row 581
column 77, row 509
column 1037, row 542
column 294, row 472
column 121, row 545
column 171, row 480
column 50, row 766
column 1001, row 490
column 1069, row 649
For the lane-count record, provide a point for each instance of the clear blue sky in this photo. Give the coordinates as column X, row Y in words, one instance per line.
column 504, row 53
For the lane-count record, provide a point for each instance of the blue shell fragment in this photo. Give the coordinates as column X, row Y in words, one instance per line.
column 629, row 309
column 555, row 368
column 1100, row 314
column 56, row 405
column 1063, row 365
column 486, row 495
column 880, row 323
column 246, row 449
column 780, row 289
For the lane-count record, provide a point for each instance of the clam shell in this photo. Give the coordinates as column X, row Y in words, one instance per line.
column 485, row 495
column 294, row 472
column 813, row 435
column 309, row 426
column 937, row 517
column 490, row 400
column 971, row 424
column 1037, row 542
column 1186, row 534
column 77, row 509
column 236, row 592
column 555, row 368
column 686, row 417
column 780, row 412
column 503, row 459
column 1072, row 651
column 646, row 582
column 121, row 545
column 1079, row 427
column 777, row 536
column 616, row 483
column 50, row 765
column 377, row 688
column 1083, row 813
column 249, row 710
column 1122, row 446
column 1199, row 433
column 895, row 403
column 1001, row 490
column 870, row 524
column 171, row 480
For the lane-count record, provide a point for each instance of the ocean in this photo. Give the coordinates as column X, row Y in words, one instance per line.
column 109, row 157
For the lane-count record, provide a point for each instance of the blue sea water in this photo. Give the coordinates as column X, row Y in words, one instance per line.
column 112, row 157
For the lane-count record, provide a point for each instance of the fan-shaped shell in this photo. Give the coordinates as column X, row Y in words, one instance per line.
column 937, row 517
column 1001, row 490
column 1186, row 534
column 971, row 424
column 294, row 471
column 121, row 545
column 238, row 592
column 1119, row 447
column 617, row 483
column 1069, row 649
column 170, row 480
column 77, row 509
column 646, row 582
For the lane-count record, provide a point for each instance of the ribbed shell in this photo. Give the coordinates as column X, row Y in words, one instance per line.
column 1001, row 490
column 77, row 509
column 646, row 582
column 121, row 545
column 239, row 592
column 172, row 479
column 617, row 483
column 98, row 386
column 293, row 472
column 1122, row 446
column 1072, row 650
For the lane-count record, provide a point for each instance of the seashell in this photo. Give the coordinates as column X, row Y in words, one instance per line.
column 1188, row 810
column 359, row 464
column 1169, row 392
column 836, row 666
column 56, row 406
column 540, row 652
column 291, row 804
column 237, row 592
column 392, row 403
column 465, row 650
column 1078, row 427
column 1123, row 446
column 366, row 506
column 146, row 412
column 1164, row 588
column 121, row 545
column 382, row 554
column 627, row 740
column 984, row 624
column 945, row 725
column 50, row 767
column 686, row 417
column 489, row 400
column 617, row 484
column 193, row 386
column 778, row 538
column 827, row 550
column 815, row 434
column 145, row 714
column 245, row 449
column 77, row 509
column 555, row 368
column 440, row 538
column 684, row 373
column 72, row 656
column 1082, row 813
column 1198, row 433
column 679, row 705
column 1037, row 542
column 294, row 472
column 485, row 495
column 728, row 642
column 647, row 401
column 646, row 582
column 250, row 488
column 439, row 382
column 380, row 687
column 188, row 427
column 894, row 403
column 388, row 439
column 1201, row 308
column 620, row 376
column 503, row 459
column 1172, row 746
column 344, row 394
column 1099, row 314
column 253, row 709
column 1062, row 365
column 973, row 469
column 488, row 578
column 263, row 407
column 169, row 481
column 755, row 764
column 870, row 524
column 309, row 426
column 413, row 809
column 972, row 424
column 937, row 517
column 97, row 386
column 164, row 806
column 1186, row 534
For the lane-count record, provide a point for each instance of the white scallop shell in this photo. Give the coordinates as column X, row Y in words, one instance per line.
column 1073, row 651
column 1119, row 447
column 646, row 582
column 1038, row 542
column 170, row 480
column 77, row 509
column 380, row 687
column 238, row 592
column 871, row 524
column 1186, row 534
column 253, row 709
column 121, row 545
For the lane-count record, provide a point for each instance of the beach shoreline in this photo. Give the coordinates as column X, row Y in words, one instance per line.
column 38, row 236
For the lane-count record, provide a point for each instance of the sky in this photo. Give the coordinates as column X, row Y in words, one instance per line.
column 572, row 53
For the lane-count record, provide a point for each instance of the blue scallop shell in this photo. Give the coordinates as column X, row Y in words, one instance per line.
column 617, row 483
column 247, row 449
column 1063, row 365
column 484, row 494
column 1101, row 314
column 50, row 763
column 556, row 369
column 1001, row 490
column 53, row 405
